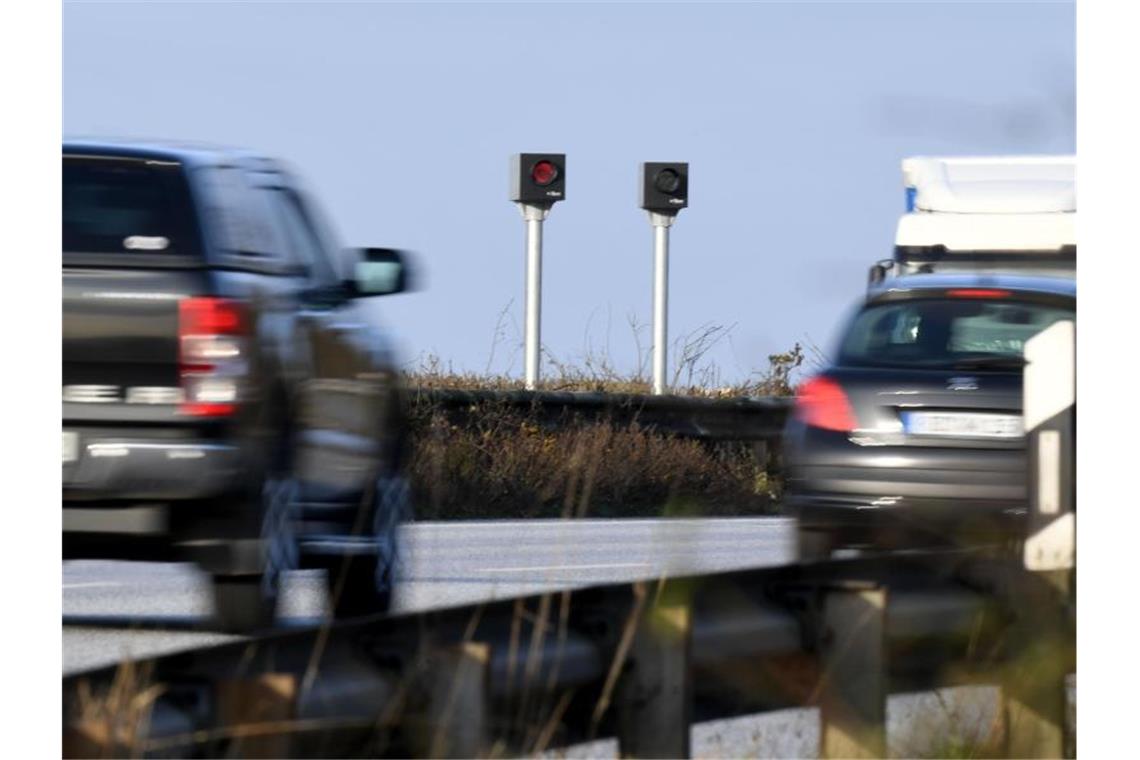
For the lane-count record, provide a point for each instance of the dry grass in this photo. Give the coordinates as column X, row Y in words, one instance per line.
column 113, row 723
column 690, row 378
column 501, row 462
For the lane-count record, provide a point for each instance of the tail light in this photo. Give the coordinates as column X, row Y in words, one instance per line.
column 211, row 355
column 821, row 403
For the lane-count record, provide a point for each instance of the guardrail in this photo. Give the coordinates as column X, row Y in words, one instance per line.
column 640, row 661
column 736, row 419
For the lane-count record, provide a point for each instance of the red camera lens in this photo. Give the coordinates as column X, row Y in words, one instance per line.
column 543, row 173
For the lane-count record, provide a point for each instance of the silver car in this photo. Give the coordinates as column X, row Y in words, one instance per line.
column 913, row 436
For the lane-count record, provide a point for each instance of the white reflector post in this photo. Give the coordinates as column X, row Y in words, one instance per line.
column 1050, row 428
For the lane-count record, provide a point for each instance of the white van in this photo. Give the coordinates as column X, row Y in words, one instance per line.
column 995, row 213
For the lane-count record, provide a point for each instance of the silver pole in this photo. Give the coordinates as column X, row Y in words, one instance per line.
column 661, row 224
column 534, row 215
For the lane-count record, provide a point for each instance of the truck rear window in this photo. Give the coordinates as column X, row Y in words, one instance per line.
column 124, row 206
column 945, row 333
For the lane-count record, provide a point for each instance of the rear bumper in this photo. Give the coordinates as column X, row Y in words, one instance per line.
column 892, row 519
column 878, row 493
column 142, row 520
column 151, row 533
column 877, row 485
column 156, row 495
column 110, row 466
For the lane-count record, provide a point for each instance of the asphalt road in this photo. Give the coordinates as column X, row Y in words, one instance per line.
column 114, row 610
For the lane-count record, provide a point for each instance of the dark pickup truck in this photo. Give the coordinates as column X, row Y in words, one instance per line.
column 222, row 401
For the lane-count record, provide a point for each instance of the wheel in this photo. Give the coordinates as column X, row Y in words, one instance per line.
column 362, row 583
column 813, row 545
column 249, row 602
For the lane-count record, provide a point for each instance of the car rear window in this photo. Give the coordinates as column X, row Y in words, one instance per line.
column 946, row 332
column 126, row 206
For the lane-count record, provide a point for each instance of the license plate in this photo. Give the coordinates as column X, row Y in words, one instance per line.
column 70, row 446
column 963, row 424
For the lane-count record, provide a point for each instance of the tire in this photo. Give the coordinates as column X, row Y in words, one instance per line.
column 362, row 584
column 240, row 604
column 814, row 545
column 249, row 602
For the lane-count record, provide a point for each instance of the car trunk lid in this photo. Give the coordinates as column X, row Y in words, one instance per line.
column 947, row 408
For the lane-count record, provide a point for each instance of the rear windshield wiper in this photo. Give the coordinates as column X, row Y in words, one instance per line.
column 999, row 361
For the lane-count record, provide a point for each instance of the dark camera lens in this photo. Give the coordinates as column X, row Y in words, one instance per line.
column 667, row 181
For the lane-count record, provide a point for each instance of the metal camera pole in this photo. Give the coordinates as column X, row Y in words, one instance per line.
column 534, row 216
column 664, row 192
column 661, row 224
column 538, row 181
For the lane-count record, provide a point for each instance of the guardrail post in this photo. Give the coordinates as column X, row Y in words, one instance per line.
column 1041, row 653
column 1035, row 711
column 456, row 718
column 1050, row 431
column 853, row 672
column 655, row 694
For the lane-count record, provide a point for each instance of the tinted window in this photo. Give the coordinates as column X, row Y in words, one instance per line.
column 126, row 206
column 239, row 215
column 304, row 241
column 943, row 332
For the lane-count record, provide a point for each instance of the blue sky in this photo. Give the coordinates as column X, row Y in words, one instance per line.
column 793, row 117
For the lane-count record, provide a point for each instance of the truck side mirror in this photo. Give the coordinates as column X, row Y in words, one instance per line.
column 380, row 272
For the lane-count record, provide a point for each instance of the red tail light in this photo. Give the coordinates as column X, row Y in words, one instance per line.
column 821, row 402
column 211, row 355
column 978, row 293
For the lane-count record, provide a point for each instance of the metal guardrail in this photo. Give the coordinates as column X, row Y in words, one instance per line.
column 640, row 661
column 736, row 419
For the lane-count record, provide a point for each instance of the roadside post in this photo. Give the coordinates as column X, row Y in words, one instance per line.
column 853, row 672
column 538, row 181
column 664, row 192
column 1034, row 687
column 1050, row 430
column 655, row 691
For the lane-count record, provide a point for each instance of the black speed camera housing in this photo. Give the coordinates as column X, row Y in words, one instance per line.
column 538, row 179
column 664, row 186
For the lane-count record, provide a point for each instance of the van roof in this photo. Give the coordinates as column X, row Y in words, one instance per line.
column 987, row 232
column 992, row 184
column 1016, row 204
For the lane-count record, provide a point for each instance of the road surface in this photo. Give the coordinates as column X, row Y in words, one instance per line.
column 114, row 610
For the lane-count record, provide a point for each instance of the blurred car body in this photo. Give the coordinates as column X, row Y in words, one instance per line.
column 912, row 436
column 221, row 403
